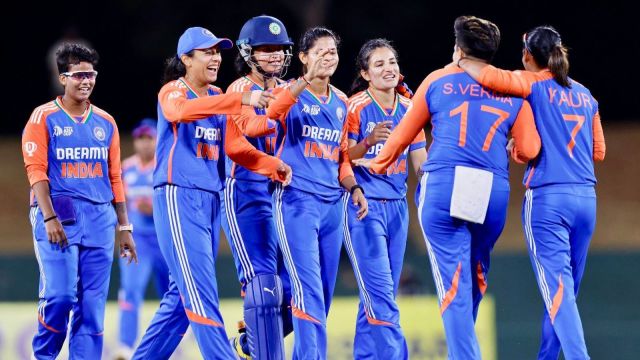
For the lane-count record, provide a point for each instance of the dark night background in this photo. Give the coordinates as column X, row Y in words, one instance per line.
column 134, row 37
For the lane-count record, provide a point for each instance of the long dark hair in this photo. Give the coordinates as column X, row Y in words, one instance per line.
column 309, row 38
column 477, row 37
column 242, row 68
column 545, row 45
column 362, row 62
column 72, row 54
column 174, row 68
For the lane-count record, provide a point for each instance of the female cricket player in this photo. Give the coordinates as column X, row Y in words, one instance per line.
column 465, row 188
column 264, row 57
column 308, row 212
column 71, row 151
column 376, row 244
column 186, row 204
column 559, row 210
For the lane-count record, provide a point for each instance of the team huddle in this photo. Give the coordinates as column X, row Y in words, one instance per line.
column 292, row 171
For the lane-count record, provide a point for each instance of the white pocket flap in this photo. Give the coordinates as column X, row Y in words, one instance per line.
column 471, row 194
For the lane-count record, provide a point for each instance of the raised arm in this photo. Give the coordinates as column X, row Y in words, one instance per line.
column 516, row 83
column 410, row 126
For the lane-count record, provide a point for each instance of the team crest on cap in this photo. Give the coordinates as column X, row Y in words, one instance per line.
column 99, row 133
column 207, row 33
column 275, row 28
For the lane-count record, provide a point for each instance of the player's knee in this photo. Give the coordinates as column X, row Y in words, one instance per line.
column 264, row 290
column 61, row 301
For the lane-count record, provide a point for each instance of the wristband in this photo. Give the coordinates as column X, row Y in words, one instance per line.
column 51, row 218
column 354, row 188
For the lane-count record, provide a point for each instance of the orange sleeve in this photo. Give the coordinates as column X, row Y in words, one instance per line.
column 525, row 135
column 410, row 126
column 517, row 83
column 421, row 137
column 279, row 108
column 353, row 124
column 253, row 125
column 344, row 170
column 35, row 144
column 599, row 147
column 115, row 168
column 240, row 150
column 177, row 108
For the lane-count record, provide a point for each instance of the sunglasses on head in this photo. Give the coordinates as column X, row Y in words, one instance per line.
column 81, row 74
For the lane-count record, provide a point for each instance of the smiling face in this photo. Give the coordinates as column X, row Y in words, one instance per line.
column 270, row 58
column 203, row 66
column 383, row 72
column 76, row 86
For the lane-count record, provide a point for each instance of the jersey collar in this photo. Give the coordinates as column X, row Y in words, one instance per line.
column 384, row 111
column 87, row 113
column 318, row 99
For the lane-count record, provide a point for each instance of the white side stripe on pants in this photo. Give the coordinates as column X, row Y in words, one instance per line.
column 354, row 261
column 544, row 287
column 178, row 242
column 432, row 257
column 236, row 235
column 298, row 296
column 33, row 213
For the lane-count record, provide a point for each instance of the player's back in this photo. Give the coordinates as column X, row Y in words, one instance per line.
column 470, row 122
column 565, row 120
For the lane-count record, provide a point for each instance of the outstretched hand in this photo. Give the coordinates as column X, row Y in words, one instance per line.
column 362, row 162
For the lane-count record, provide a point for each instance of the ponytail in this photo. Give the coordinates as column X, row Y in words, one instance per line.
column 359, row 84
column 174, row 69
column 545, row 45
column 559, row 65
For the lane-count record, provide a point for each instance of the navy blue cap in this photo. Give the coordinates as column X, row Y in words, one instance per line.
column 200, row 38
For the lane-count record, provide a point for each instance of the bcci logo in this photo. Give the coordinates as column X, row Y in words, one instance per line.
column 99, row 133
column 340, row 113
column 275, row 28
column 30, row 147
column 370, row 126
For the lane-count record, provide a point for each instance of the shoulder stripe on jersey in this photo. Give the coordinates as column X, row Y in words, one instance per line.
column 238, row 85
column 357, row 97
column 103, row 114
column 340, row 94
column 41, row 110
column 354, row 105
column 131, row 161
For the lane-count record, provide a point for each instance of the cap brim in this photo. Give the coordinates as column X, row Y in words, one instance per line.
column 222, row 43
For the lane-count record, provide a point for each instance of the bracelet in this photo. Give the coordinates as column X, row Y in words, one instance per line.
column 354, row 188
column 366, row 143
column 51, row 218
column 305, row 80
